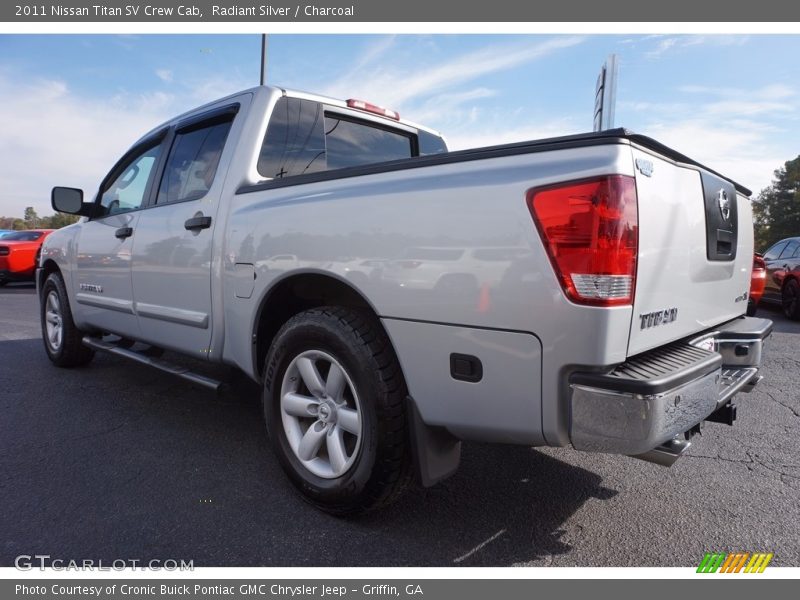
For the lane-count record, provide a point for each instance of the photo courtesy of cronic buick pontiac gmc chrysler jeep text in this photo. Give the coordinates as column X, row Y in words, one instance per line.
column 393, row 298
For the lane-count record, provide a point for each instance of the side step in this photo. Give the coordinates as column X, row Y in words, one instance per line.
column 162, row 365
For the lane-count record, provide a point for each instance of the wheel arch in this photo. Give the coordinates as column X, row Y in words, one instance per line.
column 790, row 277
column 48, row 267
column 295, row 293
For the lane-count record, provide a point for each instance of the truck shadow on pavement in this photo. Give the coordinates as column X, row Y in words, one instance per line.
column 115, row 460
column 506, row 505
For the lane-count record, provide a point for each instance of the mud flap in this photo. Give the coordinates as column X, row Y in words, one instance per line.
column 436, row 452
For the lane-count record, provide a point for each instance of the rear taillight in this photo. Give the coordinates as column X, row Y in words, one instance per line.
column 4, row 250
column 590, row 229
column 758, row 278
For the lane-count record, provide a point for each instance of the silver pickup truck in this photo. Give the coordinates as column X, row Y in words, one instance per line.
column 393, row 299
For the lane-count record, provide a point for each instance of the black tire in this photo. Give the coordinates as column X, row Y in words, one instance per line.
column 752, row 307
column 381, row 467
column 66, row 351
column 790, row 300
column 3, row 282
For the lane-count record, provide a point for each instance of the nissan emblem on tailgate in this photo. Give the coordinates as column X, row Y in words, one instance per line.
column 645, row 166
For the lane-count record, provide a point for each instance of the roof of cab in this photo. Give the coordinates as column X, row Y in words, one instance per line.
column 267, row 89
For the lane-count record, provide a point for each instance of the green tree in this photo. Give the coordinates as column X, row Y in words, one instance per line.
column 31, row 218
column 57, row 221
column 776, row 210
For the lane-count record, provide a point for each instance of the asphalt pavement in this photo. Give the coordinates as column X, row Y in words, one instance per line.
column 118, row 461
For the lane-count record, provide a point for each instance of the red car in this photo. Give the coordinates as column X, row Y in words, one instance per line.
column 758, row 280
column 19, row 253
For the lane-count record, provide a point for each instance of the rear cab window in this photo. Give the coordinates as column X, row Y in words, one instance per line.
column 304, row 136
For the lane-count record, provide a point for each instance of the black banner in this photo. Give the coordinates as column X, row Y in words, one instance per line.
column 405, row 589
column 287, row 11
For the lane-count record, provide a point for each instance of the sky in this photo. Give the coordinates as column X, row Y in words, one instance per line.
column 72, row 104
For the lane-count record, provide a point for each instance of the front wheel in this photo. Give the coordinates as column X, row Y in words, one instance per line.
column 334, row 405
column 62, row 339
column 790, row 300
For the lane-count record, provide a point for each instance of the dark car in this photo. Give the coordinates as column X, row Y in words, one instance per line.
column 782, row 285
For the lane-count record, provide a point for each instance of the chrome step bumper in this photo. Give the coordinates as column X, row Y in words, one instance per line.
column 653, row 398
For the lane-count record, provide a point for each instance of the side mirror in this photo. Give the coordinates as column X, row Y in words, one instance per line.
column 70, row 201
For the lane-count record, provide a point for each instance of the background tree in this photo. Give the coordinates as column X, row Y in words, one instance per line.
column 57, row 221
column 31, row 218
column 34, row 221
column 776, row 210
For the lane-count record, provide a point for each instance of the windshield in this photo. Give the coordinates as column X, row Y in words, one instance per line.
column 22, row 236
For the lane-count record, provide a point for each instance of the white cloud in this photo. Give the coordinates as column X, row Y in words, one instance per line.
column 66, row 138
column 492, row 133
column 374, row 52
column 742, row 150
column 377, row 82
column 774, row 91
column 661, row 47
column 451, row 107
column 61, row 139
column 679, row 42
column 735, row 132
column 165, row 75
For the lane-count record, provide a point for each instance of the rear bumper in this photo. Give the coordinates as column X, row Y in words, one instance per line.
column 658, row 395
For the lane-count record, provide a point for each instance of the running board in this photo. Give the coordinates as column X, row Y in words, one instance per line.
column 162, row 365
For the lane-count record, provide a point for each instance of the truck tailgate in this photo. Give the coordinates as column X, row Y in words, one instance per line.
column 695, row 252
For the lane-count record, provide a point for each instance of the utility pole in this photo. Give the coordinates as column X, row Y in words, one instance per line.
column 263, row 58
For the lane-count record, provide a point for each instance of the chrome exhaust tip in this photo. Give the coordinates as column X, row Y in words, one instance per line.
column 667, row 453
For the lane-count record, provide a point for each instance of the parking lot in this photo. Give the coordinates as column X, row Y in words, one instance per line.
column 117, row 461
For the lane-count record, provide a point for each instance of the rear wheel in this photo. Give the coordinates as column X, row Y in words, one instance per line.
column 62, row 339
column 334, row 405
column 790, row 300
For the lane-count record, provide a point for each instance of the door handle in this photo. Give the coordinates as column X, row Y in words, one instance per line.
column 197, row 222
column 123, row 232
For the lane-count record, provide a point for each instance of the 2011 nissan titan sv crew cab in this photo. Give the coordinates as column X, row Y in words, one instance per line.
column 393, row 298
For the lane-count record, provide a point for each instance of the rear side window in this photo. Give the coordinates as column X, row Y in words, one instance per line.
column 302, row 138
column 789, row 251
column 430, row 144
column 192, row 162
column 352, row 144
column 295, row 140
column 775, row 251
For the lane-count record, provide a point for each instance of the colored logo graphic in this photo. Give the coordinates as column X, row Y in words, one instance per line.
column 738, row 562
